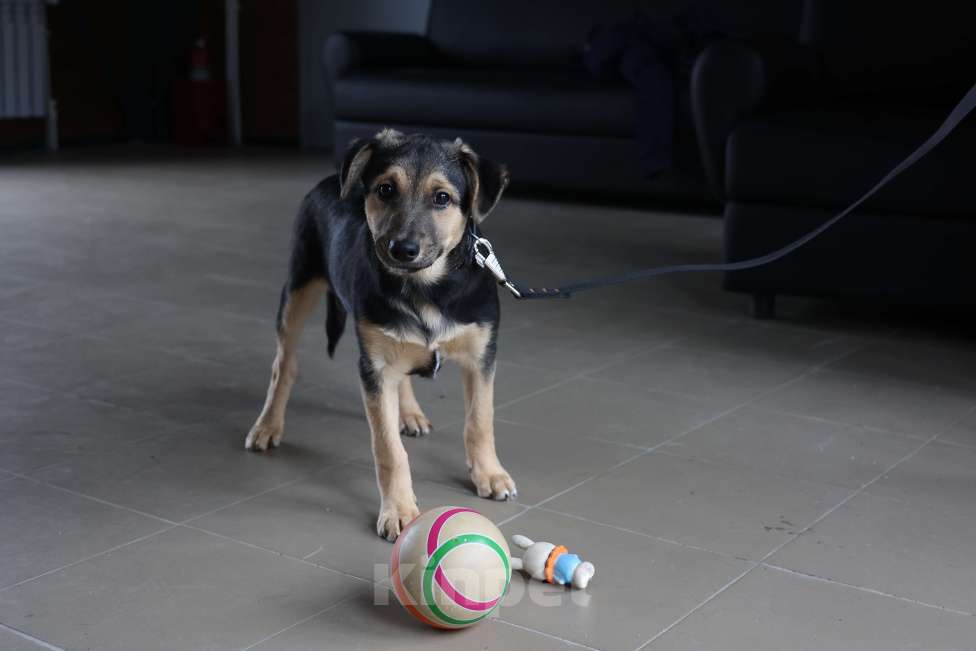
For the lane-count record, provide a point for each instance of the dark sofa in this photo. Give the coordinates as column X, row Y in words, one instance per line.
column 507, row 77
column 793, row 132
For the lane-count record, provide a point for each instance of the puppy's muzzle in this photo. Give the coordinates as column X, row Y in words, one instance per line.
column 404, row 251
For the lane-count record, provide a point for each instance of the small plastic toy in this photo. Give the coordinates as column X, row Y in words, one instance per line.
column 451, row 567
column 547, row 562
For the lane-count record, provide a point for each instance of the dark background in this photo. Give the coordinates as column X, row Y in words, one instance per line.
column 116, row 67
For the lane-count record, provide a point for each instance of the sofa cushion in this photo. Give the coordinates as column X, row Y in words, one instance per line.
column 554, row 31
column 514, row 31
column 830, row 157
column 869, row 48
column 533, row 99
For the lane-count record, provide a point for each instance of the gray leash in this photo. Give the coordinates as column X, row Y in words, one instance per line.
column 484, row 254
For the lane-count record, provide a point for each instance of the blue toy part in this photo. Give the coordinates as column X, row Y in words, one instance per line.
column 562, row 572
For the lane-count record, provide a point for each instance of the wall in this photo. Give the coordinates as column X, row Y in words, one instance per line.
column 318, row 19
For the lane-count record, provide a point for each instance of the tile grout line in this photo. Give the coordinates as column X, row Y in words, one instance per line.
column 300, row 622
column 691, row 612
column 768, row 565
column 87, row 558
column 30, row 638
column 808, row 371
column 499, row 620
column 735, row 466
column 243, row 500
column 172, row 524
column 583, row 374
column 838, row 423
column 861, row 588
column 621, row 383
column 92, row 498
column 848, row 498
column 644, row 534
column 276, row 553
column 762, row 561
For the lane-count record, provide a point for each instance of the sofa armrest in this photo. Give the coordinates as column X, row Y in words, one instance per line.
column 733, row 79
column 347, row 51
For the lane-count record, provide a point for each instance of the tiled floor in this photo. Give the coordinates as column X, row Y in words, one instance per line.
column 806, row 483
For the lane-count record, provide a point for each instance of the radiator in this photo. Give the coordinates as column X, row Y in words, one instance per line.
column 24, row 91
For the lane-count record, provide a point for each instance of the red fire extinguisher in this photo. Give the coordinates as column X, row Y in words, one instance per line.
column 197, row 100
column 200, row 60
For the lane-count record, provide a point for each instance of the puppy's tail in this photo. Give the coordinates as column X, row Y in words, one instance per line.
column 335, row 321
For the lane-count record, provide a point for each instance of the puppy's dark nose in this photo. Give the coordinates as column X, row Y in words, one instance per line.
column 404, row 250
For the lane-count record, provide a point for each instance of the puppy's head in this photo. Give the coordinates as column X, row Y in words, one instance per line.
column 419, row 194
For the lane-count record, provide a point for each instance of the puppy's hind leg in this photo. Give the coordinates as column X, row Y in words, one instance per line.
column 296, row 305
column 413, row 421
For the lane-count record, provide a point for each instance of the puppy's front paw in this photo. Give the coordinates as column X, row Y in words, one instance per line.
column 263, row 435
column 413, row 422
column 492, row 481
column 394, row 517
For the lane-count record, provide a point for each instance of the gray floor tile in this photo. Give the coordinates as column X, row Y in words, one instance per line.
column 721, row 378
column 771, row 341
column 962, row 432
column 913, row 409
column 770, row 611
column 717, row 507
column 46, row 528
column 942, row 476
column 202, row 468
column 334, row 379
column 795, row 446
column 73, row 363
column 187, row 392
column 181, row 589
column 14, row 335
column 11, row 641
column 78, row 311
column 41, row 428
column 330, row 519
column 641, row 585
column 541, row 462
column 946, row 367
column 148, row 317
column 610, row 410
column 570, row 348
column 918, row 552
column 443, row 397
column 196, row 333
column 360, row 623
column 217, row 289
column 13, row 288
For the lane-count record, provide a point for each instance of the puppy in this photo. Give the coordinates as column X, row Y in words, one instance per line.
column 389, row 241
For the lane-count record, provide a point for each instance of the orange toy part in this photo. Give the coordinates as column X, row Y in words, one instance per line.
column 551, row 561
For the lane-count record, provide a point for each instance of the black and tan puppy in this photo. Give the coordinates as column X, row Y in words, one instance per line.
column 389, row 241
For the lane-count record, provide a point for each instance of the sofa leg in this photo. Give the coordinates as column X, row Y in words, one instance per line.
column 763, row 306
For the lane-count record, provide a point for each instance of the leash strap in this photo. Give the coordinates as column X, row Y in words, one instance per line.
column 486, row 258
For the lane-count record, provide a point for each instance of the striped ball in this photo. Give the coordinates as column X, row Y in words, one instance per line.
column 450, row 567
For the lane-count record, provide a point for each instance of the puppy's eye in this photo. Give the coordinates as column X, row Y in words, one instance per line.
column 385, row 190
column 442, row 198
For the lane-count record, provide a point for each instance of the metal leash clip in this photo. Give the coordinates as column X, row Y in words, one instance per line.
column 484, row 255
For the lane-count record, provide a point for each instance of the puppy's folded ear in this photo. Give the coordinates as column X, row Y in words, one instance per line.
column 486, row 181
column 353, row 165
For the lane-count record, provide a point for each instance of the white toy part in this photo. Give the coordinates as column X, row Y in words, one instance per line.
column 536, row 561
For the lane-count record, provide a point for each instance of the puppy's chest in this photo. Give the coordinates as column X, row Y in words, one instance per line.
column 421, row 323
